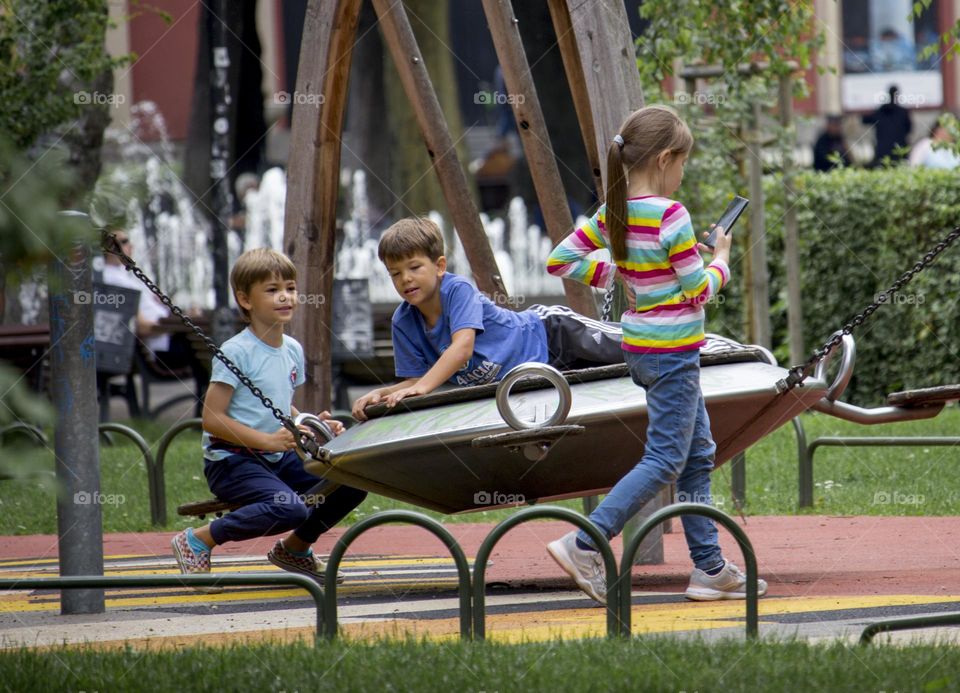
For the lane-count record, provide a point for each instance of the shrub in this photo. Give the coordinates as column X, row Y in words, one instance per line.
column 859, row 230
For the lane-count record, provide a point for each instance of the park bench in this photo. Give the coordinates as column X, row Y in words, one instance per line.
column 211, row 506
column 24, row 347
column 217, row 508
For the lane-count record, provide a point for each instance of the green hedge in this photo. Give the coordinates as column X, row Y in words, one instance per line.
column 859, row 230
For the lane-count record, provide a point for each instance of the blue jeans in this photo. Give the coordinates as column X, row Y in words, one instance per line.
column 272, row 504
column 679, row 449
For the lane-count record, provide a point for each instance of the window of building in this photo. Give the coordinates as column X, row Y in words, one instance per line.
column 881, row 46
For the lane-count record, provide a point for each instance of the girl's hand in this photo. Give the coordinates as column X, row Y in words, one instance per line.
column 722, row 249
column 628, row 292
column 703, row 248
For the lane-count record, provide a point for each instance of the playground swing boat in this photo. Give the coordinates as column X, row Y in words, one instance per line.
column 494, row 445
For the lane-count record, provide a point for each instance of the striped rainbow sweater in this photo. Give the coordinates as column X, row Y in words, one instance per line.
column 663, row 267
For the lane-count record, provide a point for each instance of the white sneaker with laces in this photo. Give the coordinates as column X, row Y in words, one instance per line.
column 729, row 583
column 585, row 567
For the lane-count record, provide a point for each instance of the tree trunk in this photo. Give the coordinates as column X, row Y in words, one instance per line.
column 540, row 44
column 364, row 133
column 414, row 185
column 247, row 124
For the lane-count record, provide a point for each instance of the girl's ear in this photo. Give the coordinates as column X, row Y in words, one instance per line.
column 663, row 159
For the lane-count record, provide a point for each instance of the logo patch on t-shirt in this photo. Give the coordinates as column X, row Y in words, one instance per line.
column 293, row 376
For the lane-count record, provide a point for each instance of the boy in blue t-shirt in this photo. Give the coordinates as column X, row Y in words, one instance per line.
column 249, row 457
column 447, row 331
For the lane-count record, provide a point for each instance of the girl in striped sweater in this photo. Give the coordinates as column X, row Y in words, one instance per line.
column 656, row 254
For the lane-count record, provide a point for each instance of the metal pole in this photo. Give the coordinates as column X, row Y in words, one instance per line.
column 73, row 387
column 221, row 124
column 804, row 466
column 738, row 479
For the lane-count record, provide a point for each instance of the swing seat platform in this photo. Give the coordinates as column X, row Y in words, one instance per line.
column 454, row 452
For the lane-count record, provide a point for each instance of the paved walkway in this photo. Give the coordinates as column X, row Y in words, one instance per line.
column 828, row 576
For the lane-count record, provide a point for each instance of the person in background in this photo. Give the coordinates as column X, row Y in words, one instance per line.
column 925, row 153
column 830, row 149
column 893, row 125
column 150, row 310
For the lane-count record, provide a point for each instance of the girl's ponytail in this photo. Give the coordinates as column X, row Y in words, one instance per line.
column 644, row 134
column 616, row 216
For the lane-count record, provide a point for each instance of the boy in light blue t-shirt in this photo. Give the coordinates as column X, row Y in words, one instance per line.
column 447, row 331
column 249, row 457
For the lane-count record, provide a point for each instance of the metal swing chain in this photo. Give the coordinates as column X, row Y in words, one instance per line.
column 607, row 305
column 110, row 245
column 798, row 374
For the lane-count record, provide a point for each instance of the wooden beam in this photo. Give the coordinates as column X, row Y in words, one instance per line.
column 596, row 36
column 398, row 35
column 567, row 41
column 535, row 139
column 313, row 181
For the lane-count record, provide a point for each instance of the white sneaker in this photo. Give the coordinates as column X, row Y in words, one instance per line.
column 729, row 583
column 585, row 567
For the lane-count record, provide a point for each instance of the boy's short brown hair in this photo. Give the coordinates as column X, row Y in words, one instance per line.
column 409, row 237
column 257, row 265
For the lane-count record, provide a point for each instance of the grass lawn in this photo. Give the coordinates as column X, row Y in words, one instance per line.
column 855, row 481
column 649, row 664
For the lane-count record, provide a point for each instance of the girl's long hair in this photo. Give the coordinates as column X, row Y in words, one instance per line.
column 646, row 133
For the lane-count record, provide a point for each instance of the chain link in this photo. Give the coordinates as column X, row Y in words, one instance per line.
column 607, row 305
column 798, row 374
column 111, row 246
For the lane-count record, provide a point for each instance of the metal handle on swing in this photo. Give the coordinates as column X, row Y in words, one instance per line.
column 848, row 359
column 526, row 370
column 319, row 432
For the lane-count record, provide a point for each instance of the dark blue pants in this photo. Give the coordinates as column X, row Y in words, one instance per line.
column 272, row 498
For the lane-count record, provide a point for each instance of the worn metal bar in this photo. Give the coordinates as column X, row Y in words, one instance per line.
column 73, row 387
column 156, row 516
column 882, row 441
column 30, row 430
column 876, row 415
column 159, row 480
column 400, row 40
column 908, row 623
column 804, row 466
column 863, row 441
column 406, row 516
column 675, row 510
column 67, row 584
column 651, row 553
column 555, row 513
column 738, row 479
column 535, row 138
